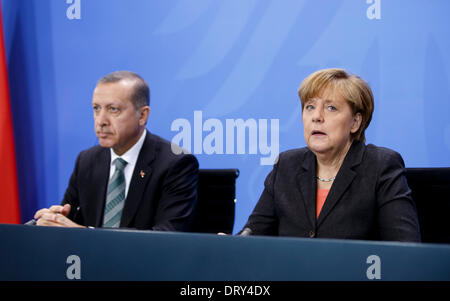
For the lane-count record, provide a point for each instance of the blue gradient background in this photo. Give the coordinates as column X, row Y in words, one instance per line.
column 230, row 59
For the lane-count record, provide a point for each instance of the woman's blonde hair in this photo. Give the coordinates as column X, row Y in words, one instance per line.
column 353, row 89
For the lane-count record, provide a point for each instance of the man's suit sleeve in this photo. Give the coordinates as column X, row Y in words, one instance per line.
column 177, row 204
column 397, row 215
column 71, row 196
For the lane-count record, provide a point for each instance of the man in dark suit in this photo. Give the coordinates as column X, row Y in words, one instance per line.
column 132, row 179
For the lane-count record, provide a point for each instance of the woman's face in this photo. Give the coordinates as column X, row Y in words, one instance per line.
column 328, row 123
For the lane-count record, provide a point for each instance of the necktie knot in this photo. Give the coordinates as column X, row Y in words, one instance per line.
column 120, row 163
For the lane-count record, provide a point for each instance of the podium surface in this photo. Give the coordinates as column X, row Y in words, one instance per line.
column 29, row 253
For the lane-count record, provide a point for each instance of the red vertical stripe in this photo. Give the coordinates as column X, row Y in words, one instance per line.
column 9, row 194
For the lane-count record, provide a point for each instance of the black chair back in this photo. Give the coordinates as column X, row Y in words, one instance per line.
column 431, row 192
column 216, row 201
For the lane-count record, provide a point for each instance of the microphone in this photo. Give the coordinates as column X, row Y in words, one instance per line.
column 246, row 232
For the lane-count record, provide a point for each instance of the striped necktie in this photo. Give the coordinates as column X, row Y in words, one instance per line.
column 115, row 196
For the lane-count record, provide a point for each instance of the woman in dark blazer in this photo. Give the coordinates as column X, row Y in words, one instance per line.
column 336, row 187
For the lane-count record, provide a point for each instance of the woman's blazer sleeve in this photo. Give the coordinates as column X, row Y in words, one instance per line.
column 264, row 220
column 397, row 214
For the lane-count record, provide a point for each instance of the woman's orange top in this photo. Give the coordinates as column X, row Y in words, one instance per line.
column 320, row 200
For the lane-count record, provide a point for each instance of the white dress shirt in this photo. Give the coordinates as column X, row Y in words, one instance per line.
column 130, row 157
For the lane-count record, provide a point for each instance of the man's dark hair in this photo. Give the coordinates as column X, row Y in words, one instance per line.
column 140, row 96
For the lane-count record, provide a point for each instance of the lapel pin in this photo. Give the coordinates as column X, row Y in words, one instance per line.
column 142, row 174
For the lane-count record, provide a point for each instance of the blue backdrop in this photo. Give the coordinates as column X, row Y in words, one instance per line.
column 226, row 60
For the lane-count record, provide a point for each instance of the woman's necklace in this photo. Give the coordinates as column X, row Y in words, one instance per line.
column 325, row 180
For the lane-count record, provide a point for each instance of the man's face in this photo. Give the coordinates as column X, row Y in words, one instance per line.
column 118, row 124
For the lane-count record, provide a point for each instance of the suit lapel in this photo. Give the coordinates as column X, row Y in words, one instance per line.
column 97, row 187
column 307, row 185
column 343, row 179
column 141, row 175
